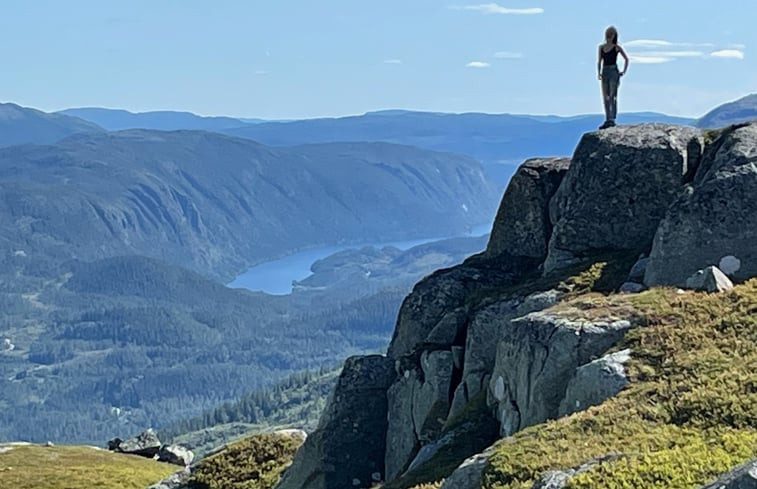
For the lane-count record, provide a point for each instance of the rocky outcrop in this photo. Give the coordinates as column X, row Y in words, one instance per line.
column 435, row 312
column 619, row 186
column 175, row 454
column 145, row 444
column 442, row 344
column 401, row 436
column 469, row 474
column 742, row 477
column 173, row 481
column 715, row 218
column 480, row 350
column 558, row 479
column 711, row 279
column 436, row 309
column 348, row 447
column 595, row 382
column 490, row 340
column 431, row 399
column 522, row 226
column 537, row 356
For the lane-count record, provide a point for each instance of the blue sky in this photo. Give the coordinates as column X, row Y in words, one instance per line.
column 307, row 58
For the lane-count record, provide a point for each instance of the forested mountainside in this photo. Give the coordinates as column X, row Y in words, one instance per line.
column 217, row 204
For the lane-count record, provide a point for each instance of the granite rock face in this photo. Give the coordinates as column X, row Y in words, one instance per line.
column 490, row 344
column 537, row 356
column 522, row 226
column 595, row 382
column 715, row 218
column 469, row 474
column 349, row 444
column 620, row 183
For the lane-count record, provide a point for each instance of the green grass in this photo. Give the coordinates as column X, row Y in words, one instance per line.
column 253, row 463
column 689, row 414
column 77, row 467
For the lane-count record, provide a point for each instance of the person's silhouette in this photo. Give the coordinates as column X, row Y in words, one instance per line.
column 608, row 74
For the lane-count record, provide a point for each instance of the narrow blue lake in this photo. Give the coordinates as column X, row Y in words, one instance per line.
column 275, row 277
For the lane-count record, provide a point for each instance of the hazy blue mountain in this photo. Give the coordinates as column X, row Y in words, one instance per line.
column 22, row 125
column 500, row 141
column 218, row 204
column 741, row 110
column 165, row 120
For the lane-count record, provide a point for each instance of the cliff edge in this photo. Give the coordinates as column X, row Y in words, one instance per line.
column 527, row 357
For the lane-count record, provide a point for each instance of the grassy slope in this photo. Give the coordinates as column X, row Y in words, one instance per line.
column 689, row 414
column 253, row 463
column 77, row 467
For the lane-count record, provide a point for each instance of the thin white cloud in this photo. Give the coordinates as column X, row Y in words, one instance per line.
column 662, row 43
column 477, row 64
column 643, row 59
column 655, row 51
column 507, row 55
column 393, row 61
column 728, row 53
column 495, row 8
column 647, row 43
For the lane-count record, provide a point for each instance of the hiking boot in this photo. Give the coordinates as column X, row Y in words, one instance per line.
column 604, row 125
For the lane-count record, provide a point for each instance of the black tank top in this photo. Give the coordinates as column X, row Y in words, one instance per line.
column 610, row 57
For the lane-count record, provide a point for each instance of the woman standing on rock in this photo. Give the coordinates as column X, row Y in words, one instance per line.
column 607, row 71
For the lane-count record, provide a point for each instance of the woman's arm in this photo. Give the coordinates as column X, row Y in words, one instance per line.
column 625, row 60
column 599, row 62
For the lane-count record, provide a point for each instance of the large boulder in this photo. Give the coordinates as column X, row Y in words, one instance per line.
column 522, row 226
column 711, row 279
column 347, row 449
column 742, row 477
column 436, row 310
column 401, row 436
column 716, row 218
column 480, row 350
column 595, row 382
column 418, row 407
column 431, row 401
column 175, row 454
column 145, row 444
column 537, row 356
column 618, row 187
column 469, row 475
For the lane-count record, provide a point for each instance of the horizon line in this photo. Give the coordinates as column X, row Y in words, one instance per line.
column 344, row 115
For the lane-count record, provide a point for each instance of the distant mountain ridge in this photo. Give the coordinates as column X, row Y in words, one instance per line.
column 217, row 204
column 23, row 125
column 499, row 141
column 741, row 110
column 164, row 120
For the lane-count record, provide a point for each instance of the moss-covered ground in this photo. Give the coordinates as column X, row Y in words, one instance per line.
column 689, row 414
column 76, row 467
column 252, row 463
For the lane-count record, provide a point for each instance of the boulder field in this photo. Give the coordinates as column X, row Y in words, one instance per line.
column 534, row 328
